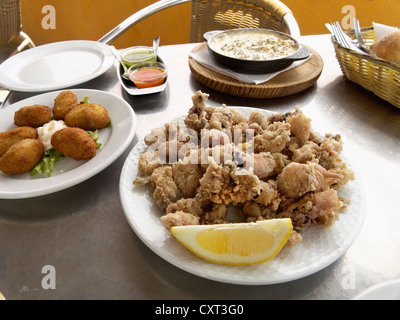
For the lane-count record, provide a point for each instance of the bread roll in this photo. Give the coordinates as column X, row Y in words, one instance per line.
column 388, row 48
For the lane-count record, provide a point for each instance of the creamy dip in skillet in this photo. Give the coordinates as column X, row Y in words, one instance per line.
column 253, row 46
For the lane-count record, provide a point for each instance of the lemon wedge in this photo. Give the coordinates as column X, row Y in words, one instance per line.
column 2, row 297
column 236, row 243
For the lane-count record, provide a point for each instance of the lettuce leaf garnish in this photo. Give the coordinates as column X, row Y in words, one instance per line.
column 85, row 99
column 95, row 136
column 51, row 156
column 46, row 165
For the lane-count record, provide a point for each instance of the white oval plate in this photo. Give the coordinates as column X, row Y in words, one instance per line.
column 320, row 247
column 55, row 66
column 69, row 172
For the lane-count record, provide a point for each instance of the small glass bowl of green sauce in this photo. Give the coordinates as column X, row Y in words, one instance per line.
column 140, row 54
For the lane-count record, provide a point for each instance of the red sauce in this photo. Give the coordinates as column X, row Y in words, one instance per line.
column 148, row 77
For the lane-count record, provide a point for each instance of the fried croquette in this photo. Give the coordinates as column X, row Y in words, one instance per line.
column 32, row 116
column 75, row 143
column 10, row 137
column 64, row 103
column 22, row 156
column 88, row 116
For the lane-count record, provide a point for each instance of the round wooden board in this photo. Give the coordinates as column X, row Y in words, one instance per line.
column 284, row 84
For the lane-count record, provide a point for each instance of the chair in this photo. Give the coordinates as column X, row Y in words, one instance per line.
column 12, row 39
column 210, row 15
column 10, row 28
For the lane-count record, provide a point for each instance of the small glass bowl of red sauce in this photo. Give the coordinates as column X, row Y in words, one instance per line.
column 148, row 75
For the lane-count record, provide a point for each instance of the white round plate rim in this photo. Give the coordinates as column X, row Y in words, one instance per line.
column 118, row 137
column 386, row 290
column 12, row 66
column 270, row 272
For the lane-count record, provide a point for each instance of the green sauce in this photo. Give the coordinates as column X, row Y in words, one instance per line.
column 134, row 56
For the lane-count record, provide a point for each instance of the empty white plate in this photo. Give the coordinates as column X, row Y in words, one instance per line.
column 55, row 66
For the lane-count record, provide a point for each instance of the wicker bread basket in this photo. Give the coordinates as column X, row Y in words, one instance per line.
column 376, row 75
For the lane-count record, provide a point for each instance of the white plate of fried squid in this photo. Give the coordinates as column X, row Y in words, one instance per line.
column 238, row 164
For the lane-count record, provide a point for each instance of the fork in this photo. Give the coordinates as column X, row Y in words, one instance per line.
column 357, row 31
column 343, row 39
column 335, row 29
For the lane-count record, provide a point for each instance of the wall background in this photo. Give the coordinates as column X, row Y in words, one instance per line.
column 91, row 19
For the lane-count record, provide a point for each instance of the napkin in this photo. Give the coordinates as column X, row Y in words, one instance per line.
column 382, row 30
column 204, row 58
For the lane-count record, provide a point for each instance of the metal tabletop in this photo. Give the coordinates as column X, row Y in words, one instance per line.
column 82, row 231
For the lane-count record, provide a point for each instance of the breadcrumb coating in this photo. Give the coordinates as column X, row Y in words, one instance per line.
column 266, row 167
